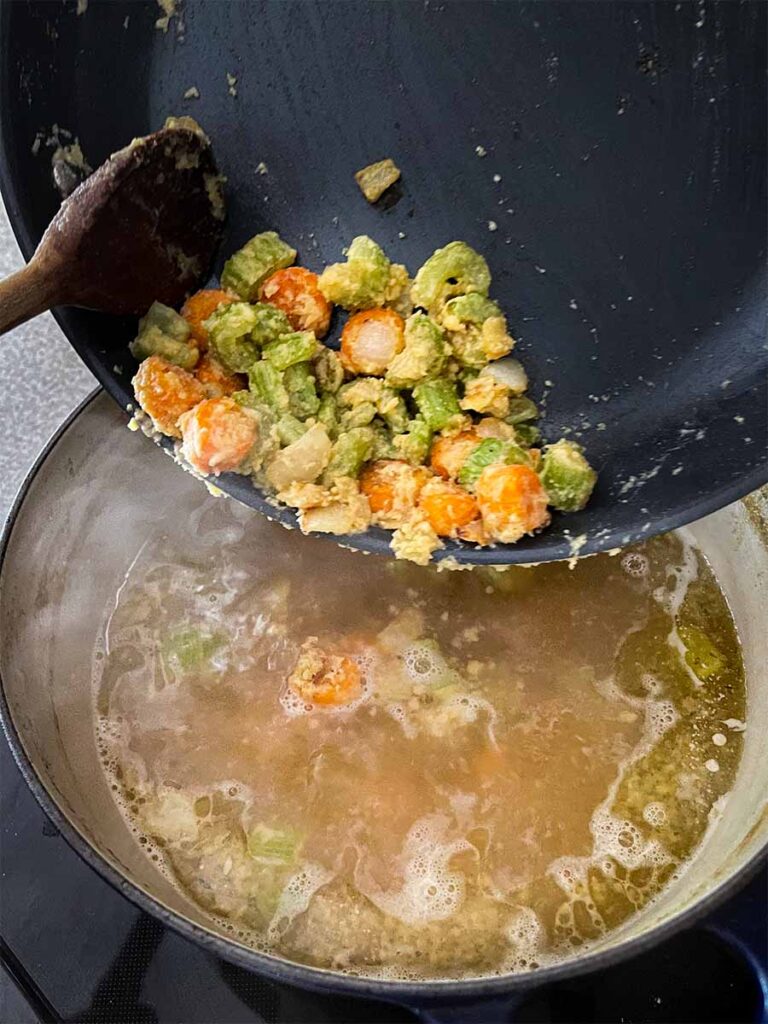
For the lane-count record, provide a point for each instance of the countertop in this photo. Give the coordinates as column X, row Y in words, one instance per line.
column 41, row 381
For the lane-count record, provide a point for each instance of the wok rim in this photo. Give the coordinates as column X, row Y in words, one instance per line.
column 288, row 972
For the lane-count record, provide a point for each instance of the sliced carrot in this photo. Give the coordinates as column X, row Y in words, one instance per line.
column 323, row 678
column 199, row 307
column 216, row 380
column 392, row 487
column 166, row 392
column 218, row 434
column 512, row 501
column 449, row 454
column 447, row 507
column 371, row 340
column 295, row 291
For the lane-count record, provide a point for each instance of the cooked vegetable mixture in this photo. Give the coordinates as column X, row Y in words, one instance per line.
column 419, row 423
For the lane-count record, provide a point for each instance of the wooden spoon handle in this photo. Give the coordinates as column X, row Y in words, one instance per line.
column 28, row 292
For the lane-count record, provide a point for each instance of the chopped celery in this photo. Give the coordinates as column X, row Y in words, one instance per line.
column 349, row 453
column 437, row 402
column 393, row 411
column 566, row 475
column 267, row 383
column 454, row 270
column 473, row 308
column 361, row 282
column 302, row 393
column 292, row 348
column 358, row 416
column 477, row 345
column 423, row 355
column 488, row 452
column 521, row 409
column 274, row 845
column 413, row 445
column 289, row 429
column 360, row 390
column 162, row 332
column 327, row 414
column 382, row 442
column 702, row 656
column 328, row 370
column 229, row 329
column 249, row 267
column 269, row 323
column 188, row 648
column 527, row 433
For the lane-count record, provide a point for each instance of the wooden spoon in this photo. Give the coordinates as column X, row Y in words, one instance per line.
column 144, row 226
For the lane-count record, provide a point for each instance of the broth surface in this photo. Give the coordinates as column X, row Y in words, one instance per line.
column 534, row 756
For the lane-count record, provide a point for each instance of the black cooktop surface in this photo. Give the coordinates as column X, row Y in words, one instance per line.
column 73, row 949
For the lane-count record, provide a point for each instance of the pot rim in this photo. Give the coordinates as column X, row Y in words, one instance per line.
column 287, row 971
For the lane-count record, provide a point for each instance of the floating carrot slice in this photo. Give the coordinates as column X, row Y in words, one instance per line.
column 294, row 291
column 165, row 392
column 371, row 340
column 447, row 507
column 199, row 307
column 323, row 678
column 216, row 380
column 218, row 434
column 512, row 501
column 448, row 454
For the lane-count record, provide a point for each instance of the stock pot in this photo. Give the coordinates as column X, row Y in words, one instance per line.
column 77, row 524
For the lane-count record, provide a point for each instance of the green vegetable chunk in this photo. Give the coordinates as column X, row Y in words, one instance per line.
column 359, row 415
column 349, row 453
column 266, row 382
column 527, row 434
column 274, row 845
column 229, row 329
column 270, row 323
column 414, row 444
column 189, row 649
column 302, row 394
column 521, row 409
column 297, row 347
column 246, row 270
column 289, row 429
column 437, row 402
column 382, row 442
column 328, row 370
column 490, row 451
column 327, row 414
column 454, row 270
column 363, row 281
column 162, row 332
column 424, row 353
column 393, row 410
column 566, row 475
column 701, row 655
column 473, row 308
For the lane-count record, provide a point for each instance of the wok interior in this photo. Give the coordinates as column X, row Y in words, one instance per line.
column 102, row 491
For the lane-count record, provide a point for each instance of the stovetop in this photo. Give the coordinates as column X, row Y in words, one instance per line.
column 73, row 949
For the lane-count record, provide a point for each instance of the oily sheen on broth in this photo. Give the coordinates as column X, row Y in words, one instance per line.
column 532, row 756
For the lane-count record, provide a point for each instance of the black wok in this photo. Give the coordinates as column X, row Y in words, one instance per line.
column 630, row 216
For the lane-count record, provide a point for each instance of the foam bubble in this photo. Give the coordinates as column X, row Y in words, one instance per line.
column 655, row 814
column 635, row 564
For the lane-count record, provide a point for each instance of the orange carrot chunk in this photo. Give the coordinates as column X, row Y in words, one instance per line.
column 447, row 507
column 449, row 454
column 512, row 501
column 371, row 340
column 216, row 380
column 218, row 434
column 294, row 291
column 323, row 678
column 392, row 486
column 165, row 391
column 199, row 307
